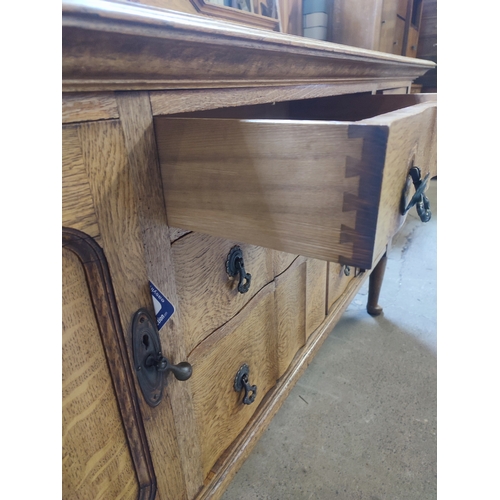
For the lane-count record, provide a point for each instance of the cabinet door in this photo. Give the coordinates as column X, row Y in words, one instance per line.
column 104, row 454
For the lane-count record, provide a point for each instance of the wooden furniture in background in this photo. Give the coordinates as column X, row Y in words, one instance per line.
column 391, row 26
column 427, row 46
column 386, row 25
column 132, row 76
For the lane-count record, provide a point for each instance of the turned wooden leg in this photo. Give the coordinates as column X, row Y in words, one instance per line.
column 376, row 278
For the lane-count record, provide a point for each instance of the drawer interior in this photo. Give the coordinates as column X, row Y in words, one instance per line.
column 352, row 107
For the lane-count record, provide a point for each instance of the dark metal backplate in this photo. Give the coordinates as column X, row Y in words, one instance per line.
column 146, row 343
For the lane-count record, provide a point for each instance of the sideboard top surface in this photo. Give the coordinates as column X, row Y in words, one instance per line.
column 110, row 45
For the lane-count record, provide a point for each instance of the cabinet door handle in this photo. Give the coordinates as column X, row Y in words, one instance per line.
column 419, row 199
column 151, row 366
column 241, row 382
column 235, row 265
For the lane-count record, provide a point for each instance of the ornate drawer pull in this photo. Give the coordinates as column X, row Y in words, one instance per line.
column 419, row 199
column 235, row 265
column 241, row 382
column 150, row 364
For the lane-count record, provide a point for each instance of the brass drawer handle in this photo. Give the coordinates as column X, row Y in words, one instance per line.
column 235, row 265
column 419, row 200
column 241, row 382
column 150, row 364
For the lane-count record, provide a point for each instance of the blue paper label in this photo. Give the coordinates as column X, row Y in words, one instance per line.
column 163, row 308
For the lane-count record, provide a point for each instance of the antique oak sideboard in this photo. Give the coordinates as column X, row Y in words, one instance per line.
column 250, row 180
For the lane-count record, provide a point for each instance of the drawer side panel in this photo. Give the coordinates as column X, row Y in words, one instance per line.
column 303, row 187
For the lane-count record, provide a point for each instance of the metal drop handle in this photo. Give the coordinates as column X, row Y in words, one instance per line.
column 241, row 381
column 235, row 266
column 419, row 200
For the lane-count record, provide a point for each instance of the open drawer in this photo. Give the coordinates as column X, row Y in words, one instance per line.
column 322, row 177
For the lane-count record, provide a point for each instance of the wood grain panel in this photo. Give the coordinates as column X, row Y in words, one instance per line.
column 175, row 233
column 137, row 126
column 315, row 294
column 282, row 261
column 235, row 455
column 290, row 298
column 77, row 204
column 96, row 459
column 113, row 186
column 337, row 282
column 412, row 140
column 218, row 180
column 125, row 46
column 248, row 338
column 105, row 453
column 88, row 106
column 207, row 296
column 180, row 101
column 305, row 187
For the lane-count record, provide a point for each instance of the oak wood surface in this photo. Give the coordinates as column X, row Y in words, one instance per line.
column 139, row 141
column 268, row 205
column 242, row 446
column 306, row 187
column 412, row 141
column 88, row 106
column 290, row 303
column 249, row 338
column 207, row 296
column 77, row 203
column 175, row 233
column 315, row 294
column 105, row 453
column 124, row 46
column 96, row 460
column 180, row 101
column 112, row 181
column 337, row 282
column 282, row 261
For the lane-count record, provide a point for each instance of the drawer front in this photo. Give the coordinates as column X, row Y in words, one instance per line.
column 300, row 306
column 207, row 296
column 338, row 279
column 249, row 338
column 411, row 142
column 291, row 312
column 303, row 186
column 282, row 261
column 315, row 294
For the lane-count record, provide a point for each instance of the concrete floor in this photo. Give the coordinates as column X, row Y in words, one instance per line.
column 361, row 422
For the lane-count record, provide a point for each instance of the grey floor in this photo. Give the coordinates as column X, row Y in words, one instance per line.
column 361, row 422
